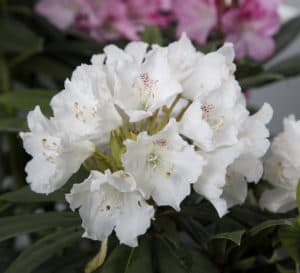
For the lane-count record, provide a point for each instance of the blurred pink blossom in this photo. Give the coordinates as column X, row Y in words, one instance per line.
column 104, row 20
column 251, row 26
column 195, row 17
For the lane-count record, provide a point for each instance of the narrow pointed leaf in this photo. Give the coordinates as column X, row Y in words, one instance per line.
column 44, row 249
column 124, row 259
column 290, row 238
column 235, row 236
column 289, row 67
column 12, row 125
column 26, row 195
column 287, row 34
column 271, row 224
column 298, row 196
column 27, row 99
column 16, row 37
column 261, row 79
column 12, row 226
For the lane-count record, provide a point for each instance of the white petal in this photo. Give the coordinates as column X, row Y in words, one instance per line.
column 163, row 165
column 193, row 126
column 278, row 200
column 104, row 208
column 134, row 220
column 235, row 190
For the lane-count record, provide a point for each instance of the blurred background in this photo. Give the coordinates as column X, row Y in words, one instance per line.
column 283, row 96
column 42, row 42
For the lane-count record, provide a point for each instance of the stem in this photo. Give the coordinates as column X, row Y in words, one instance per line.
column 167, row 113
column 99, row 259
column 108, row 160
column 181, row 114
column 129, row 260
column 297, row 268
column 151, row 122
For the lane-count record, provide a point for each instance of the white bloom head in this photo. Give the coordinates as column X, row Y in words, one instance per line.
column 164, row 165
column 210, row 71
column 55, row 156
column 109, row 202
column 142, row 89
column 85, row 106
column 282, row 169
column 230, row 167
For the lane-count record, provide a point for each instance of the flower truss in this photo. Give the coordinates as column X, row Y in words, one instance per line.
column 151, row 124
column 282, row 169
column 249, row 24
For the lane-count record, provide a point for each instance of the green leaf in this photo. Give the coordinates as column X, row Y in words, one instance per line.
column 48, row 66
column 289, row 67
column 260, row 79
column 167, row 229
column 282, row 269
column 26, row 195
column 290, row 238
column 287, row 34
column 168, row 260
column 270, row 224
column 124, row 259
column 140, row 261
column 201, row 264
column 16, row 37
column 298, row 196
column 12, row 125
column 12, row 226
column 27, row 99
column 116, row 261
column 152, row 35
column 235, row 236
column 43, row 250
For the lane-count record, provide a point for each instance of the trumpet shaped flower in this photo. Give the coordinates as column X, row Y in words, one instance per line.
column 142, row 89
column 282, row 169
column 110, row 202
column 163, row 165
column 55, row 155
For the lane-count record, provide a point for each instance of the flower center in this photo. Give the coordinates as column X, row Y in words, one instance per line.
column 153, row 160
column 85, row 114
column 215, row 122
column 144, row 86
column 111, row 201
column 51, row 149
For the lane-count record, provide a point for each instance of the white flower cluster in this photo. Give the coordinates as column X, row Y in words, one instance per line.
column 282, row 169
column 149, row 123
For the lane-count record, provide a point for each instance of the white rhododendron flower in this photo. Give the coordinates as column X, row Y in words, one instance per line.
column 109, row 202
column 150, row 124
column 134, row 52
column 55, row 155
column 142, row 89
column 226, row 185
column 214, row 120
column 85, row 107
column 282, row 169
column 209, row 73
column 164, row 165
column 182, row 57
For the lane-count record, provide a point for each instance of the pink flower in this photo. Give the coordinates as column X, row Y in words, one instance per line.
column 105, row 20
column 251, row 27
column 60, row 13
column 195, row 17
